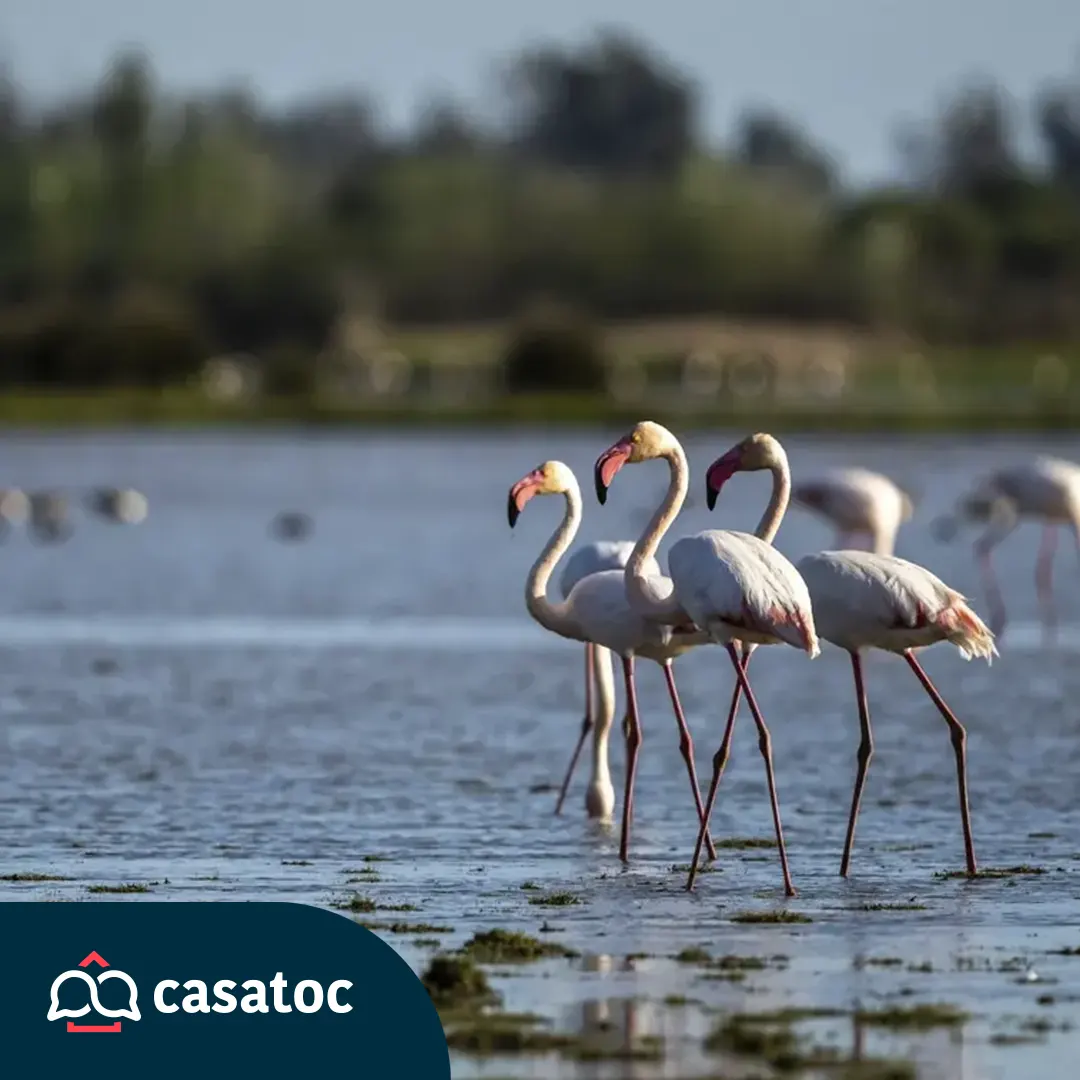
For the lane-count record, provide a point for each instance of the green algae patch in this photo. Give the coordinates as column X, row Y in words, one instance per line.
column 457, row 981
column 555, row 899
column 405, row 927
column 30, row 877
column 132, row 887
column 770, row 917
column 509, row 947
column 1023, row 870
column 914, row 1017
column 744, row 843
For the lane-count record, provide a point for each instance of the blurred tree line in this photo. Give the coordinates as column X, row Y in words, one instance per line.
column 143, row 233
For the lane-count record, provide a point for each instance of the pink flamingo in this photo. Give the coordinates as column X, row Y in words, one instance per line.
column 589, row 559
column 1047, row 489
column 735, row 586
column 863, row 601
column 857, row 502
column 597, row 611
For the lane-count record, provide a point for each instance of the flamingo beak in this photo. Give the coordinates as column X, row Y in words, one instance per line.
column 608, row 464
column 720, row 472
column 521, row 493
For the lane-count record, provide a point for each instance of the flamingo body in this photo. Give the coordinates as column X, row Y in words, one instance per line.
column 857, row 501
column 863, row 600
column 594, row 558
column 740, row 588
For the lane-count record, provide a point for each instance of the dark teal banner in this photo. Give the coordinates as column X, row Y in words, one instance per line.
column 207, row 990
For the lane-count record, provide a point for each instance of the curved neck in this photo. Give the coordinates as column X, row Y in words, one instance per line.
column 769, row 524
column 554, row 617
column 653, row 596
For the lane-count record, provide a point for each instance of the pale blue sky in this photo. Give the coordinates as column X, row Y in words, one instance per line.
column 848, row 69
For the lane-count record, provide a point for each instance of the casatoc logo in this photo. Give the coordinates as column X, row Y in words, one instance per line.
column 221, row 996
column 190, row 986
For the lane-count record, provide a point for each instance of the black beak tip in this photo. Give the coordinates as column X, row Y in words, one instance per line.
column 601, row 488
column 512, row 512
column 710, row 496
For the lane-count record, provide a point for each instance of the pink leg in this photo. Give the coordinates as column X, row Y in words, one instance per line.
column 1043, row 588
column 959, row 741
column 586, row 727
column 866, row 752
column 720, row 759
column 765, row 745
column 686, row 748
column 994, row 600
column 633, row 744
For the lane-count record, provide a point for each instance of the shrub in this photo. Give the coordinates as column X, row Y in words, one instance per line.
column 554, row 349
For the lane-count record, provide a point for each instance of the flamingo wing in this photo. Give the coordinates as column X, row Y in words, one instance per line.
column 740, row 581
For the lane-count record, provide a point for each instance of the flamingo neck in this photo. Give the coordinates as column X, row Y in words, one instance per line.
column 558, row 618
column 769, row 524
column 653, row 596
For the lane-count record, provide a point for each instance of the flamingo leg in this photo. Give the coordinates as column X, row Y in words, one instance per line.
column 586, row 727
column 686, row 748
column 959, row 742
column 866, row 752
column 633, row 744
column 765, row 745
column 720, row 759
column 994, row 599
column 1043, row 586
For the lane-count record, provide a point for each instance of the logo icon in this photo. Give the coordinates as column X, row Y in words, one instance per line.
column 80, row 974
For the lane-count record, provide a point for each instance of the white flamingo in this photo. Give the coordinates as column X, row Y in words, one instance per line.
column 1046, row 489
column 863, row 600
column 597, row 611
column 857, row 502
column 589, row 559
column 735, row 586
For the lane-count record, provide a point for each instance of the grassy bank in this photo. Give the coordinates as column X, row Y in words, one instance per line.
column 182, row 408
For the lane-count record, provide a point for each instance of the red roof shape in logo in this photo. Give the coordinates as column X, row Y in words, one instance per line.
column 94, row 958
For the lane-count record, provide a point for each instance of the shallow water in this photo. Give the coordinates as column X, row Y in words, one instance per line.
column 192, row 704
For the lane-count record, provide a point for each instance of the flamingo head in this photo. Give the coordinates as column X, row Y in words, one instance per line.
column 759, row 451
column 551, row 478
column 647, row 440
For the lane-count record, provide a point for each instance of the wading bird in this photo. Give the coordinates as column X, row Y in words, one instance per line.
column 858, row 503
column 866, row 601
column 1045, row 489
column 597, row 611
column 735, row 586
column 594, row 559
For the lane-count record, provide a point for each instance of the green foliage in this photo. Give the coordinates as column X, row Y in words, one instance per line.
column 144, row 234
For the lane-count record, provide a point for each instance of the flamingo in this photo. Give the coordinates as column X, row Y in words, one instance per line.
column 735, row 586
column 592, row 559
column 857, row 502
column 597, row 611
column 1047, row 489
column 864, row 600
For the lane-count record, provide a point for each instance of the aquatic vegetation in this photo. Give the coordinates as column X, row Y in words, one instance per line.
column 555, row 899
column 921, row 1017
column 508, row 946
column 456, row 980
column 297, row 862
column 744, row 843
column 356, row 902
column 770, row 917
column 32, row 877
column 993, row 872
column 128, row 888
column 531, row 886
column 405, row 927
column 694, row 955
